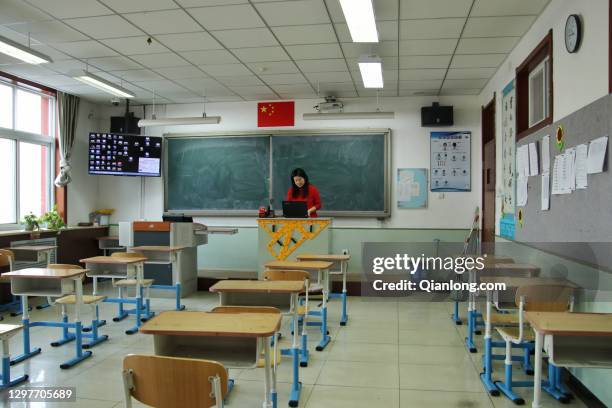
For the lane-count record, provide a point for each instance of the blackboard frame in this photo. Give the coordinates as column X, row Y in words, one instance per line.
column 385, row 213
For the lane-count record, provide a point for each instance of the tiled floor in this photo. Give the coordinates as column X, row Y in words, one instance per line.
column 392, row 354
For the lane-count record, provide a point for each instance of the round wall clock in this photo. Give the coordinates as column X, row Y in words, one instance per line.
column 573, row 33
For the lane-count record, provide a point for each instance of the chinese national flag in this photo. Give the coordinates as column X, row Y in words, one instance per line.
column 275, row 114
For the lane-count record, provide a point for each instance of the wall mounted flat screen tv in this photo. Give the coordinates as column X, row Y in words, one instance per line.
column 124, row 155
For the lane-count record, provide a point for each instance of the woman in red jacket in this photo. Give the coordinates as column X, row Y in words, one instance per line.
column 302, row 190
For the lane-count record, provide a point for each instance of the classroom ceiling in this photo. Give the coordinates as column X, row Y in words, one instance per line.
column 234, row 50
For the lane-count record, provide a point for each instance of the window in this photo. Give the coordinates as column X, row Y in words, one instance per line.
column 538, row 93
column 27, row 152
column 534, row 89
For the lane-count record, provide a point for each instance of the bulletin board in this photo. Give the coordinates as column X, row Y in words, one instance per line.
column 450, row 161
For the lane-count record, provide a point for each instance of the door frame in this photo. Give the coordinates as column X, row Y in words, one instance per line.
column 491, row 105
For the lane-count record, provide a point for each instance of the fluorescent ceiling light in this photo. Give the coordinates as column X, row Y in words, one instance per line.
column 348, row 115
column 21, row 52
column 371, row 71
column 102, row 84
column 202, row 120
column 359, row 15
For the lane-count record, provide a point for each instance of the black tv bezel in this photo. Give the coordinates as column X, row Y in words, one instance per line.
column 100, row 173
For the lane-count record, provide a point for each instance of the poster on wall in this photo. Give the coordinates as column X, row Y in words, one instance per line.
column 450, row 161
column 411, row 188
column 508, row 182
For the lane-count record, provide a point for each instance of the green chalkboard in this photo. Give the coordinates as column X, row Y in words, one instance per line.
column 349, row 169
column 230, row 174
column 217, row 173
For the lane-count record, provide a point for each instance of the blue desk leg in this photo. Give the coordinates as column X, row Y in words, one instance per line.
column 147, row 305
column 469, row 340
column 296, row 385
column 325, row 339
column 178, row 297
column 455, row 315
column 66, row 335
column 138, row 310
column 27, row 352
column 344, row 317
column 80, row 355
column 122, row 314
column 6, row 370
column 100, row 322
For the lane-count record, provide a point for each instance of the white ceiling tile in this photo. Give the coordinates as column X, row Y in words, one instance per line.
column 17, row 11
column 515, row 26
column 261, row 54
column 135, row 45
column 344, row 94
column 305, row 34
column 431, row 28
column 250, row 90
column 315, row 51
column 136, row 75
column 390, row 90
column 58, row 80
column 27, row 70
column 160, row 86
column 416, row 9
column 184, row 72
column 454, row 92
column 478, row 60
column 252, row 37
column 226, row 70
column 210, row 57
column 54, row 54
column 293, row 89
column 113, row 63
column 470, row 73
column 164, row 22
column 418, row 74
column 486, row 45
column 200, row 83
column 283, row 79
column 131, row 6
column 508, row 8
column 427, row 47
column 6, row 60
column 202, row 3
column 273, row 67
column 242, row 80
column 424, row 61
column 104, row 27
column 388, row 64
column 422, row 84
column 297, row 95
column 189, row 41
column 225, row 99
column 163, row 60
column 382, row 49
column 465, row 83
column 322, row 65
column 85, row 49
column 227, row 17
column 383, row 10
column 337, row 87
column 48, row 32
column 297, row 12
column 66, row 66
column 419, row 92
column 387, row 31
column 322, row 77
column 72, row 8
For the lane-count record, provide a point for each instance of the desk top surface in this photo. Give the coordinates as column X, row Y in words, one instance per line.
column 258, row 286
column 571, row 324
column 157, row 248
column 301, row 265
column 9, row 328
column 323, row 257
column 45, row 273
column 33, row 248
column 213, row 324
column 112, row 260
column 517, row 281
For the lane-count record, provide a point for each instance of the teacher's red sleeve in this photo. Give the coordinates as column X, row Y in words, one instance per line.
column 316, row 197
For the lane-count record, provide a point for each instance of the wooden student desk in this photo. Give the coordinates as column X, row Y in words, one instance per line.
column 280, row 294
column 165, row 259
column 322, row 269
column 511, row 282
column 54, row 283
column 233, row 339
column 571, row 340
column 336, row 259
column 108, row 244
column 121, row 268
column 33, row 253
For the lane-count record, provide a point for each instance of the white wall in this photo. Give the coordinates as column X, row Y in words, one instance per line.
column 579, row 78
column 410, row 148
column 83, row 190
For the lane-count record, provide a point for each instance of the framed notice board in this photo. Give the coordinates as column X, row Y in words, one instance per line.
column 450, row 161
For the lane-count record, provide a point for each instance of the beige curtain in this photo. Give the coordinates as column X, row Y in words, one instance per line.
column 68, row 112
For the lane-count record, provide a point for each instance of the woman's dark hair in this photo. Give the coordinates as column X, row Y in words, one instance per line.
column 295, row 190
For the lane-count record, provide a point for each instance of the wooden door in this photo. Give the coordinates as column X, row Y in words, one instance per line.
column 488, row 176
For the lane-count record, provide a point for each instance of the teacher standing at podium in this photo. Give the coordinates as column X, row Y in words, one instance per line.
column 302, row 190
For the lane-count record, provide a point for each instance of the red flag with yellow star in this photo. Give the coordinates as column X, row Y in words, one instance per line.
column 275, row 114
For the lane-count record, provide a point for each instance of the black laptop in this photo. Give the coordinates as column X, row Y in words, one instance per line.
column 295, row 209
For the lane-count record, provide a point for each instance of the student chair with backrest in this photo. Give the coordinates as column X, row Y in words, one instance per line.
column 7, row 257
column 131, row 282
column 302, row 309
column 537, row 298
column 93, row 300
column 170, row 382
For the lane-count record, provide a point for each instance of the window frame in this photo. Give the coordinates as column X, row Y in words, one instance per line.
column 543, row 51
column 20, row 136
column 543, row 67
